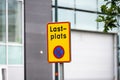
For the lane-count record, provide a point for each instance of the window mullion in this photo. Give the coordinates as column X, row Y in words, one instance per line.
column 6, row 39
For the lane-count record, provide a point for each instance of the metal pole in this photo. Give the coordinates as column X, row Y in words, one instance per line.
column 56, row 11
column 56, row 19
column 56, row 71
column 61, row 71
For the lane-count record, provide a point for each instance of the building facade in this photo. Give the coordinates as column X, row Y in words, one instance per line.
column 11, row 40
column 82, row 15
column 23, row 54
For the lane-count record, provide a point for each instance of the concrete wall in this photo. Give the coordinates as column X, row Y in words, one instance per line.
column 37, row 15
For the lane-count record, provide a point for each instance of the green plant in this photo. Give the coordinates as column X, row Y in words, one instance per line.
column 110, row 11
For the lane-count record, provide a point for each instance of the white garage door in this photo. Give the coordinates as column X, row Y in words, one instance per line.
column 93, row 56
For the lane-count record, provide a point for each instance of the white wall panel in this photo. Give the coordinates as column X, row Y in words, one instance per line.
column 92, row 56
column 15, row 73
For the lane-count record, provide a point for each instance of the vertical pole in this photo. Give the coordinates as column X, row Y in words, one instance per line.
column 75, row 13
column 56, row 19
column 61, row 71
column 56, row 11
column 56, row 71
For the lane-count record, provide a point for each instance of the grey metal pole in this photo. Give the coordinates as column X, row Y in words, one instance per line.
column 61, row 71
column 56, row 19
column 56, row 11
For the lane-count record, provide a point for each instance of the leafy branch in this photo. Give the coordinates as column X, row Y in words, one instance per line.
column 110, row 11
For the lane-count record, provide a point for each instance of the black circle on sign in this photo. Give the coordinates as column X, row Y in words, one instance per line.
column 58, row 52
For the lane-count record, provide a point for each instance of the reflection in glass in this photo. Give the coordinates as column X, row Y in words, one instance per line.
column 14, row 21
column 66, row 3
column 86, row 5
column 2, row 55
column 86, row 21
column 66, row 15
column 2, row 20
column 15, row 55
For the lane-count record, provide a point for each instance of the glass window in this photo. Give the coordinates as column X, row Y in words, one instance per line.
column 100, row 24
column 66, row 15
column 2, row 20
column 66, row 3
column 86, row 21
column 53, row 2
column 119, row 23
column 14, row 21
column 86, row 5
column 2, row 55
column 15, row 55
column 100, row 2
column 53, row 14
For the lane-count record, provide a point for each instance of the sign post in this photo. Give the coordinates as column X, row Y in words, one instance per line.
column 56, row 20
column 58, row 44
column 61, row 71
